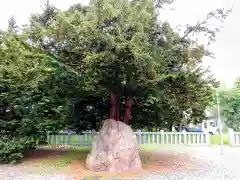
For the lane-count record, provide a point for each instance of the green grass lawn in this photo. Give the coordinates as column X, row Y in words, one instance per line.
column 215, row 139
column 75, row 153
column 85, row 139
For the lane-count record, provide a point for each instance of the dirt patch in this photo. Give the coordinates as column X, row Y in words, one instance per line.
column 161, row 162
column 39, row 154
column 72, row 163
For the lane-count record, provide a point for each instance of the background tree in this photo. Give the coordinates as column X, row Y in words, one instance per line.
column 22, row 68
column 36, row 95
column 230, row 106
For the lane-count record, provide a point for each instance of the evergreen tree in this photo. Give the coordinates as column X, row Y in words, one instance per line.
column 121, row 48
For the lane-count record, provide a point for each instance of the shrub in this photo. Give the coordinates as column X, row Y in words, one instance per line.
column 13, row 149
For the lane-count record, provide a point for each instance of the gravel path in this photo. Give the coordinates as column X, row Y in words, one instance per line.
column 37, row 177
column 22, row 172
column 214, row 166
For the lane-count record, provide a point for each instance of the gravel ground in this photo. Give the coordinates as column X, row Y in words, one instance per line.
column 37, row 177
column 22, row 172
column 214, row 166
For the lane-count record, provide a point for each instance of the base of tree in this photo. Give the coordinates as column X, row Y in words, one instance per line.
column 114, row 149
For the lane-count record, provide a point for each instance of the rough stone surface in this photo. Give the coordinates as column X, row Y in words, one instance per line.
column 115, row 149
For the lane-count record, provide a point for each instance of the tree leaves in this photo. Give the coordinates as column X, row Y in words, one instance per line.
column 230, row 107
column 77, row 56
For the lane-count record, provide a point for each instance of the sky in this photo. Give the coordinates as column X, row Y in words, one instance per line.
column 225, row 65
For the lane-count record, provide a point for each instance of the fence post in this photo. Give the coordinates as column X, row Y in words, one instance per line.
column 69, row 138
column 149, row 136
column 93, row 137
column 230, row 137
column 54, row 139
column 48, row 138
column 139, row 133
column 162, row 137
column 207, row 138
column 185, row 137
column 153, row 138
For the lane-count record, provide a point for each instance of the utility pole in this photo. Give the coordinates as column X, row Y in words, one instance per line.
column 219, row 121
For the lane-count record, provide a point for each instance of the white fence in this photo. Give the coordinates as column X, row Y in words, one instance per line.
column 168, row 138
column 233, row 137
column 186, row 138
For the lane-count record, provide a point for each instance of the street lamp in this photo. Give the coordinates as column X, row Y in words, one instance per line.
column 219, row 122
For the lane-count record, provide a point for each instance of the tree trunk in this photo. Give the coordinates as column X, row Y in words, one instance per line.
column 170, row 127
column 113, row 104
column 94, row 123
column 118, row 109
column 114, row 107
column 128, row 109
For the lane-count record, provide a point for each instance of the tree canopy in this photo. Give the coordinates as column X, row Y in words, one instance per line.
column 230, row 106
column 72, row 69
column 66, row 64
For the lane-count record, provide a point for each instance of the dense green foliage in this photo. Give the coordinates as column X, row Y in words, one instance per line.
column 120, row 48
column 13, row 149
column 35, row 96
column 57, row 73
column 22, row 70
column 230, row 106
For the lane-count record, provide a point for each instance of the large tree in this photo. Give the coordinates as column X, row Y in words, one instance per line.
column 103, row 57
column 121, row 48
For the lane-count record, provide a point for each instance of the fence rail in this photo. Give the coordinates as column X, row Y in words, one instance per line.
column 172, row 138
column 168, row 138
